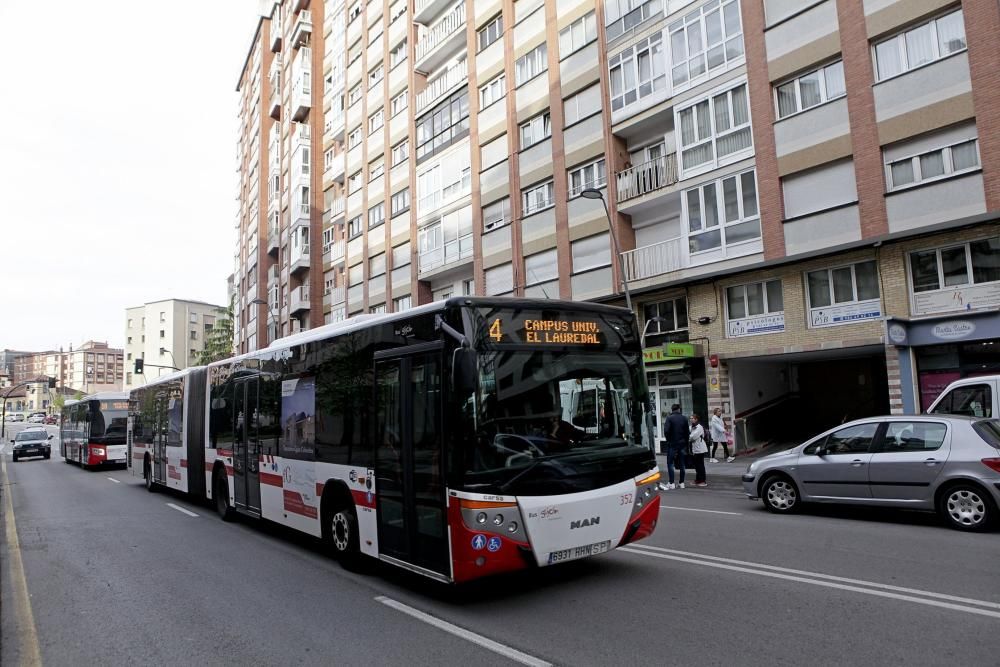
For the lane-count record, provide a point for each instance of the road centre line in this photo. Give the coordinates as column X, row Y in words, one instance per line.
column 116, row 481
column 930, row 598
column 462, row 633
column 24, row 619
column 692, row 509
column 181, row 509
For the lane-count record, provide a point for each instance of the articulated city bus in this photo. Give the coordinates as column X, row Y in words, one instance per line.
column 92, row 429
column 166, row 431
column 459, row 439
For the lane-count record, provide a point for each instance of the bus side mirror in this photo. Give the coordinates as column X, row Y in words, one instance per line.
column 463, row 370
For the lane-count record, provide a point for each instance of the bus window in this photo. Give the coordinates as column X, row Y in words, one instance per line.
column 221, row 420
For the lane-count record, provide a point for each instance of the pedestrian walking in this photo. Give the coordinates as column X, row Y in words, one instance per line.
column 699, row 449
column 675, row 432
column 717, row 429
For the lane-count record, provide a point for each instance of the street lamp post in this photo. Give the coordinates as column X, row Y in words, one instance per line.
column 594, row 193
column 260, row 302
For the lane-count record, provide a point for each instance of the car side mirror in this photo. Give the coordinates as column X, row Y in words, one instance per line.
column 51, row 436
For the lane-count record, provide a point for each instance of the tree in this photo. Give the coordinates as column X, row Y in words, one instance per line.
column 78, row 395
column 219, row 341
column 58, row 401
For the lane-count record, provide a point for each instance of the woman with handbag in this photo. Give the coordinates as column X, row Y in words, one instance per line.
column 698, row 450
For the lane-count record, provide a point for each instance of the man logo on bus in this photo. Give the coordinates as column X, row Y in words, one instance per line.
column 592, row 521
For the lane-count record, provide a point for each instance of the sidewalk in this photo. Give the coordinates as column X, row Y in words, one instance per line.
column 722, row 474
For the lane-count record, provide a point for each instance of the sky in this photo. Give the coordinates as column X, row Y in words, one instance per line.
column 118, row 184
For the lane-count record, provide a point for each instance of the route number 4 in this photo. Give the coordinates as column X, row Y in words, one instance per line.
column 495, row 332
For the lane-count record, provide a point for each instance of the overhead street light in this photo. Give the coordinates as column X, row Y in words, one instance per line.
column 260, row 302
column 594, row 193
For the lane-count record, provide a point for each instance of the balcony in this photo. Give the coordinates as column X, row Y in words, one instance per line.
column 425, row 10
column 302, row 137
column 272, row 278
column 335, row 213
column 274, row 103
column 450, row 253
column 437, row 42
column 333, row 125
column 299, row 301
column 654, row 259
column 303, row 29
column 275, row 33
column 647, row 177
column 300, row 261
column 302, row 85
column 436, row 89
column 273, row 243
column 333, row 253
column 334, row 296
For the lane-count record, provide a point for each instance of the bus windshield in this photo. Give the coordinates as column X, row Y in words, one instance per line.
column 553, row 421
column 108, row 425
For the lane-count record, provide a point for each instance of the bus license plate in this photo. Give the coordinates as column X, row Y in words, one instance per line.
column 579, row 552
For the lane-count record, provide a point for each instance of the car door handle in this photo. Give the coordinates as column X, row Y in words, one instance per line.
column 857, row 462
column 931, row 462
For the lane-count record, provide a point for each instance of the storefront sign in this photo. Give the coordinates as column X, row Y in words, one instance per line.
column 897, row 333
column 845, row 313
column 754, row 326
column 668, row 352
column 963, row 298
column 953, row 330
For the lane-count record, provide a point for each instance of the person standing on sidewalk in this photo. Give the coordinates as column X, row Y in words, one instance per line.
column 676, row 433
column 698, row 450
column 717, row 427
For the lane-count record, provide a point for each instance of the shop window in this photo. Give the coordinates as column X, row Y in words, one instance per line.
column 754, row 308
column 843, row 294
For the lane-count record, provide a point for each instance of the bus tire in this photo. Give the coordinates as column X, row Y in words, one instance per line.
column 220, row 491
column 147, row 474
column 341, row 530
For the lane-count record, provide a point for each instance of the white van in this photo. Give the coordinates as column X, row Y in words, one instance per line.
column 975, row 397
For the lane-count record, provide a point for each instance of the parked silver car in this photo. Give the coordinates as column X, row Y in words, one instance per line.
column 942, row 463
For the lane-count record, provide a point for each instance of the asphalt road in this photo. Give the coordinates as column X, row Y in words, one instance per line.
column 116, row 574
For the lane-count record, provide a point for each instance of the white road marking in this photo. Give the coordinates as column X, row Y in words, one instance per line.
column 24, row 619
column 692, row 509
column 181, row 509
column 116, row 481
column 468, row 635
column 955, row 603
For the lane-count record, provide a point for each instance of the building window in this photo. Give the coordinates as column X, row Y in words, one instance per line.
column 577, row 34
column 537, row 197
column 354, row 95
column 492, row 91
column 585, row 103
column 715, row 128
column 356, row 275
column 401, row 255
column 194, row 335
column 376, row 169
column 354, row 12
column 400, row 201
column 376, row 121
column 933, row 165
column 354, row 228
column 401, row 304
column 444, row 125
column 128, row 356
column 536, row 129
column 530, row 65
column 354, row 183
column 397, row 10
column 810, row 90
column 920, row 45
column 540, row 268
column 376, row 266
column 970, row 271
column 496, row 214
column 163, row 316
column 593, row 252
column 130, row 323
column 587, row 176
column 375, row 75
column 468, row 287
column 397, row 54
column 129, row 340
column 376, row 215
column 843, row 295
column 400, row 152
column 163, row 334
column 491, row 32
column 637, row 72
column 704, row 40
column 354, row 138
column 722, row 213
column 397, row 104
column 672, row 316
column 494, row 152
column 754, row 309
column 623, row 15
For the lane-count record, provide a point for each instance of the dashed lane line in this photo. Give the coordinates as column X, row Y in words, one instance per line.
column 468, row 635
column 116, row 481
column 692, row 509
column 181, row 509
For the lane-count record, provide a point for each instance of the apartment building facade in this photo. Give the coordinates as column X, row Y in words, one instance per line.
column 170, row 332
column 91, row 367
column 803, row 191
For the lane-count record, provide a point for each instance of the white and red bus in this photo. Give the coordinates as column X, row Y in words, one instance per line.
column 166, row 431
column 458, row 439
column 92, row 430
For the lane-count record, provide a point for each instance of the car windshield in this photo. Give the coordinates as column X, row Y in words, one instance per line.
column 31, row 435
column 557, row 421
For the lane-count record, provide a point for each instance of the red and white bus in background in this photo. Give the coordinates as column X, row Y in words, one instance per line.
column 458, row 439
column 166, row 431
column 92, row 430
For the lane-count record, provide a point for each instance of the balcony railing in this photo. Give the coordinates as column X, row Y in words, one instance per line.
column 303, row 28
column 441, row 30
column 335, row 295
column 452, row 251
column 334, row 251
column 276, row 33
column 654, row 259
column 336, row 207
column 436, row 88
column 300, row 298
column 647, row 177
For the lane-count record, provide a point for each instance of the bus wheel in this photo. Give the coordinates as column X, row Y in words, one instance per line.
column 343, row 533
column 221, row 492
column 147, row 473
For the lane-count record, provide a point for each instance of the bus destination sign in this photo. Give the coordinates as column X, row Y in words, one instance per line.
column 561, row 331
column 114, row 405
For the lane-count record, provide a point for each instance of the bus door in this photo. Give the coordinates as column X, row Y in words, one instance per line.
column 409, row 461
column 162, row 425
column 246, row 446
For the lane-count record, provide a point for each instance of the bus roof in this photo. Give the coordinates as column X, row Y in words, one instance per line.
column 106, row 396
column 169, row 376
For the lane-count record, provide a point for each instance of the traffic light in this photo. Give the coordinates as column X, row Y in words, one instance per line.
column 52, row 383
column 138, row 366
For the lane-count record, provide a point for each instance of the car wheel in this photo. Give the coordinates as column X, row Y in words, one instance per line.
column 147, row 474
column 221, row 491
column 967, row 507
column 344, row 538
column 780, row 495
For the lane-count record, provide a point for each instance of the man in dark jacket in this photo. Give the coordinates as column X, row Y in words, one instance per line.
column 676, row 431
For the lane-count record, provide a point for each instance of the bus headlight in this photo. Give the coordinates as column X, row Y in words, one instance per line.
column 498, row 519
column 481, row 517
column 512, row 527
column 97, row 451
